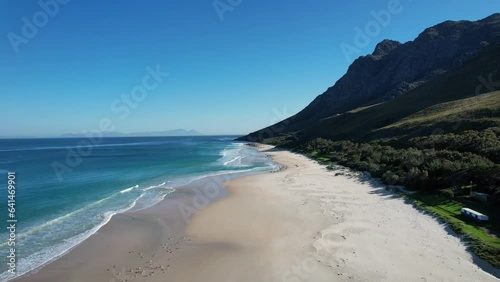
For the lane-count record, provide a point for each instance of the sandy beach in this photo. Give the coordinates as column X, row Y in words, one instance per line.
column 303, row 223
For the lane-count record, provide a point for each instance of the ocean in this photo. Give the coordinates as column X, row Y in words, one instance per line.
column 67, row 189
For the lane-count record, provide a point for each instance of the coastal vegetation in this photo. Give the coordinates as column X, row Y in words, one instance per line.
column 484, row 243
column 441, row 169
column 427, row 163
column 424, row 118
column 435, row 153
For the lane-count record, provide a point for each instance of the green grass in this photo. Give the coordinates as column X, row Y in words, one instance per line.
column 322, row 159
column 446, row 205
column 483, row 107
column 485, row 243
column 313, row 154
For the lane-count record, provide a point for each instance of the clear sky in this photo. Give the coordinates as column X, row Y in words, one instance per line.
column 233, row 68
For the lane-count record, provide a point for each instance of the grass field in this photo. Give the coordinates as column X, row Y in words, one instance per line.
column 484, row 106
column 483, row 236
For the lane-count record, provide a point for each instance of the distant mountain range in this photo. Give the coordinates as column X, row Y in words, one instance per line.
column 174, row 132
column 450, row 61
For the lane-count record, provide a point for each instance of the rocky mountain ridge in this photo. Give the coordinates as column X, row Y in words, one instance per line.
column 393, row 69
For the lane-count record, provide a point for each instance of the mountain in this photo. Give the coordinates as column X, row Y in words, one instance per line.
column 174, row 132
column 425, row 115
column 398, row 80
column 374, row 121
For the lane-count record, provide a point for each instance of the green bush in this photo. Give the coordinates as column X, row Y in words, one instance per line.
column 428, row 163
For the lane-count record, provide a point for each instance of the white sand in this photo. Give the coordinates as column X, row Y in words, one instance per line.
column 306, row 224
column 300, row 224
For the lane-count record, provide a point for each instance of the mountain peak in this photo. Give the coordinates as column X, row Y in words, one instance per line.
column 385, row 47
column 393, row 69
column 492, row 18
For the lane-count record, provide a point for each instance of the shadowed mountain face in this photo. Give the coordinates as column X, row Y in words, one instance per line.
column 393, row 70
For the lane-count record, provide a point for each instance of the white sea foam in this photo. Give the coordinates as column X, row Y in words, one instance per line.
column 235, row 158
column 155, row 186
column 129, row 189
column 49, row 223
column 50, row 253
column 233, row 155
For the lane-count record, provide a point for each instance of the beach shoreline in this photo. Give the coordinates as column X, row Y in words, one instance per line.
column 128, row 238
column 302, row 223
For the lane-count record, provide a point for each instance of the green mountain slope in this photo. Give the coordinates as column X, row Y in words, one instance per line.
column 398, row 118
column 435, row 134
column 430, row 69
column 366, row 123
column 475, row 113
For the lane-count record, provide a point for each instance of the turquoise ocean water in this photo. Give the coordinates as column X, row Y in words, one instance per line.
column 65, row 191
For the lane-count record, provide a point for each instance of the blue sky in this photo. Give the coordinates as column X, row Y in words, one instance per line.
column 259, row 62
